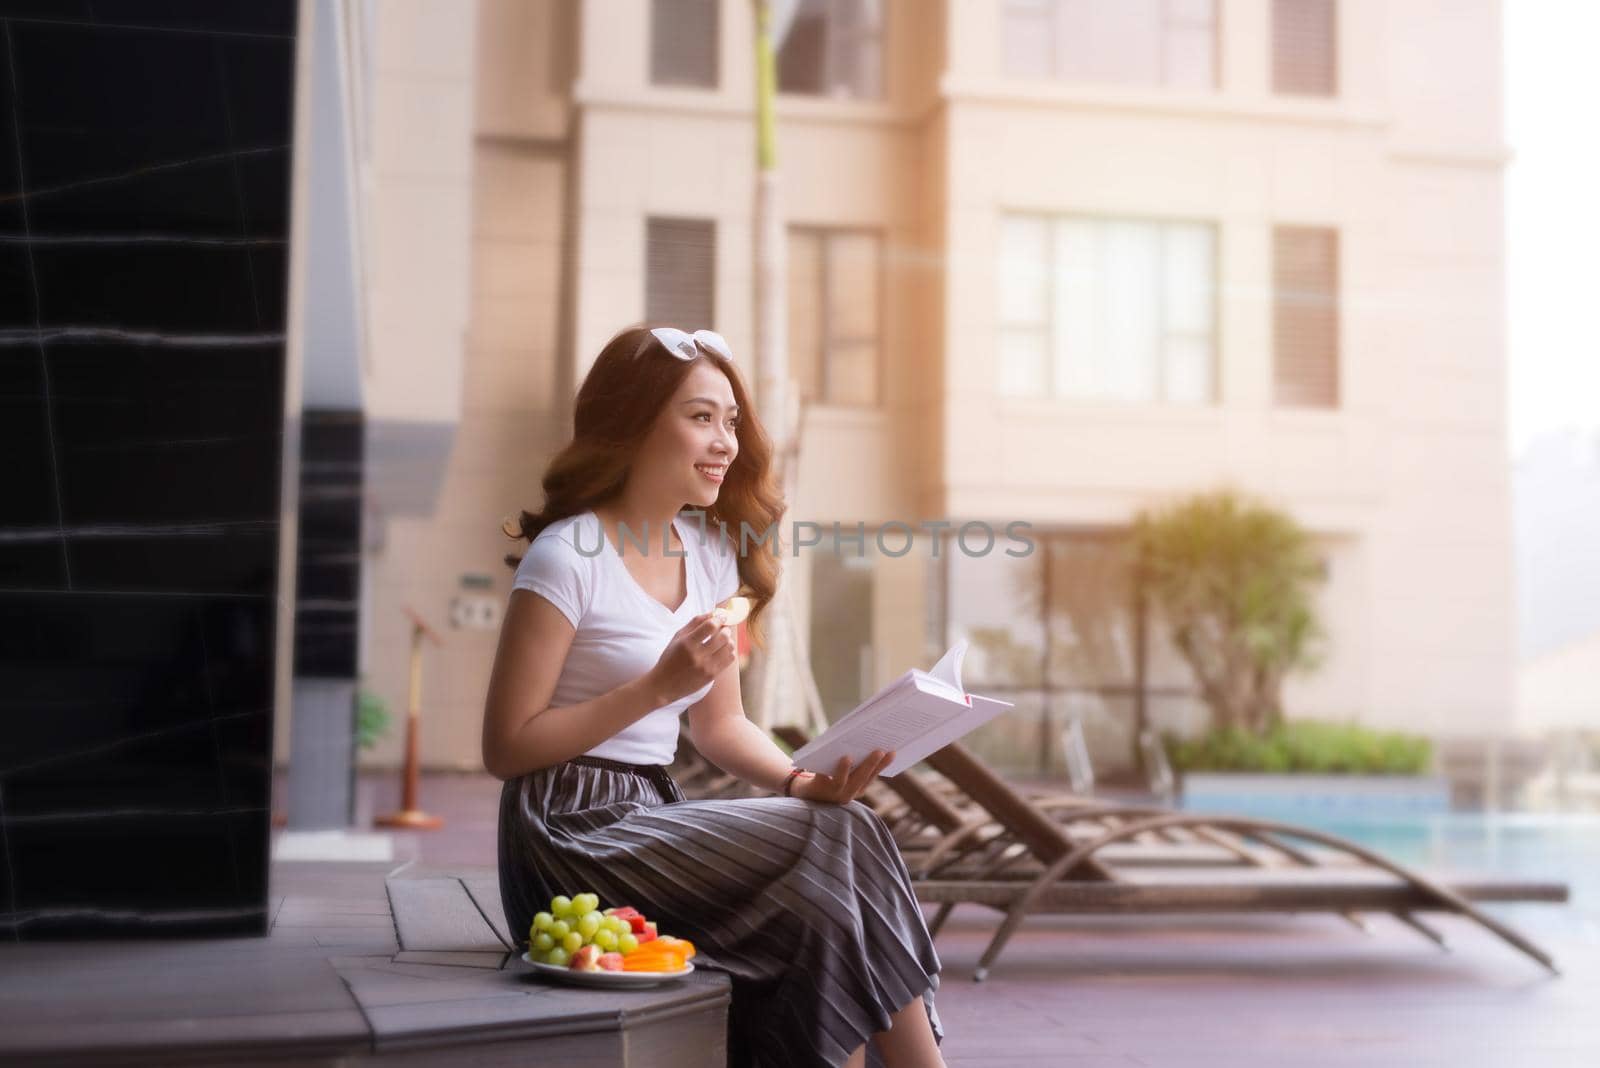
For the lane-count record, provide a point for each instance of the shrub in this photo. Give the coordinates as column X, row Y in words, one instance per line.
column 1303, row 746
column 1235, row 581
column 372, row 719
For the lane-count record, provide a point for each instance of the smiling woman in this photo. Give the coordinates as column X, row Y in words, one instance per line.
column 612, row 633
column 620, row 425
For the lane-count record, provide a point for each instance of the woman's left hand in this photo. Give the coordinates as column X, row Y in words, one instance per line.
column 846, row 784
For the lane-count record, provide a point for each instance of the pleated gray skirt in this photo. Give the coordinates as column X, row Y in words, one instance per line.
column 807, row 907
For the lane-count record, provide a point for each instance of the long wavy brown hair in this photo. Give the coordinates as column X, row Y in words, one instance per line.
column 619, row 401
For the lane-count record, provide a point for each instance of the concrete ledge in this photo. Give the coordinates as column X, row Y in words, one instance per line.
column 344, row 978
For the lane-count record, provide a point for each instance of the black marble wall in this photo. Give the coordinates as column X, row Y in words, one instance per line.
column 144, row 215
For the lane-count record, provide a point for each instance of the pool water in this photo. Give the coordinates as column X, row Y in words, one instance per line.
column 1559, row 846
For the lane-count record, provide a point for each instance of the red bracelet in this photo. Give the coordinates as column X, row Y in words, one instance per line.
column 788, row 784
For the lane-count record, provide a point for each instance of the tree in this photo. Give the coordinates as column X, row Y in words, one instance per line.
column 1235, row 581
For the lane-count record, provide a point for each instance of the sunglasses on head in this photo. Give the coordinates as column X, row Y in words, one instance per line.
column 686, row 346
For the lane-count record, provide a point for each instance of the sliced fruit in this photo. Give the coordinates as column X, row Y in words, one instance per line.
column 666, row 963
column 734, row 610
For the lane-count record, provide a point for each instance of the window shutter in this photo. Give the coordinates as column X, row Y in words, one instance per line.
column 683, row 43
column 1304, row 53
column 803, row 54
column 1305, row 316
column 833, row 48
column 680, row 268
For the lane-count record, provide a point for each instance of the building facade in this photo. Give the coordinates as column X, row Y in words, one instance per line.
column 1049, row 261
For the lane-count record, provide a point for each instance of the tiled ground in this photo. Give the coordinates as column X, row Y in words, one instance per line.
column 1307, row 991
column 1167, row 992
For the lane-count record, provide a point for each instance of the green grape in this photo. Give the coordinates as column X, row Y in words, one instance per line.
column 558, row 957
column 560, row 929
column 542, row 921
column 627, row 942
column 585, row 902
column 588, row 924
column 561, row 906
column 542, row 942
column 573, row 942
column 606, row 940
column 619, row 925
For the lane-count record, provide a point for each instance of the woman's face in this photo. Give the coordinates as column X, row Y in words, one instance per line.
column 688, row 451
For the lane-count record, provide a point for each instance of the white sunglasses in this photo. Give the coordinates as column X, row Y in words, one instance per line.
column 686, row 346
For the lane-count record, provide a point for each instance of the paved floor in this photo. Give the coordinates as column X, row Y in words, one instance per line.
column 1231, row 991
column 411, row 969
column 1079, row 993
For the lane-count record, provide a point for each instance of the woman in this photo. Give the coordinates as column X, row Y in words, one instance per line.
column 801, row 898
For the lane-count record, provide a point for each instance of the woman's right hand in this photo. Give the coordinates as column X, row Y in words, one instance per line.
column 696, row 654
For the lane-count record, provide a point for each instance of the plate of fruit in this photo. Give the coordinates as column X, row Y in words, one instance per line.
column 576, row 942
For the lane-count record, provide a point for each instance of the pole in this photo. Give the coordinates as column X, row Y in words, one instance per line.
column 411, row 817
column 772, row 358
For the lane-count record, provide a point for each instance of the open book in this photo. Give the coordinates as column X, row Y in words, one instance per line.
column 917, row 714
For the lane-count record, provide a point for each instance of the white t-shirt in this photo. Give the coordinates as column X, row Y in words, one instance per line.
column 621, row 631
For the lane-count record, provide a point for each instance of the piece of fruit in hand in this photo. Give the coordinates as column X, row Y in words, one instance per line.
column 733, row 611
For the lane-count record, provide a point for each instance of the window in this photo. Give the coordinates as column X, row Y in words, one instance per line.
column 832, row 48
column 1062, row 634
column 683, row 43
column 1305, row 316
column 835, row 332
column 1115, row 42
column 680, row 269
column 1304, row 56
column 1107, row 309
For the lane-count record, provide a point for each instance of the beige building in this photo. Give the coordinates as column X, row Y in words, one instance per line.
column 1050, row 261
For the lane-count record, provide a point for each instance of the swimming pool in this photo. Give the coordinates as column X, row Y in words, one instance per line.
column 1536, row 845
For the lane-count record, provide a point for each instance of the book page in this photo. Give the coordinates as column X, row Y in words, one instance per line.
column 983, row 709
column 948, row 669
column 916, row 715
column 896, row 721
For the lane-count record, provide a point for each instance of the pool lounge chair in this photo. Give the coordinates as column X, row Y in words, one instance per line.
column 1063, row 854
column 1326, row 874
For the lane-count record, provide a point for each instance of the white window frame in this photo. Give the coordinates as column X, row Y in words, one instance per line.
column 1052, row 16
column 1056, row 370
column 824, row 331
